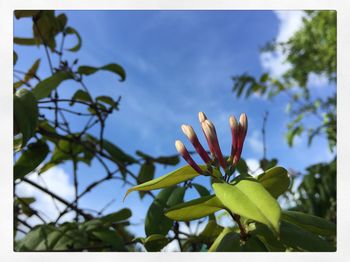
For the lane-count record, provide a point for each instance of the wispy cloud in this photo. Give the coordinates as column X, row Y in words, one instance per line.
column 57, row 181
column 255, row 142
column 275, row 62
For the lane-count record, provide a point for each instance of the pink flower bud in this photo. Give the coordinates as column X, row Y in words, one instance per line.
column 243, row 127
column 191, row 135
column 180, row 147
column 234, row 132
column 210, row 134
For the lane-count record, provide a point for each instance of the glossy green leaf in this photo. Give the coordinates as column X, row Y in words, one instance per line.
column 177, row 176
column 194, row 209
column 30, row 159
column 301, row 239
column 314, row 224
column 156, row 222
column 275, row 180
column 72, row 31
column 248, row 198
column 45, row 87
column 219, row 238
column 114, row 68
column 25, row 114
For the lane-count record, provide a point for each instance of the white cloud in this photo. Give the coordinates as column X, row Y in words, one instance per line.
column 274, row 62
column 254, row 166
column 255, row 142
column 315, row 80
column 57, row 181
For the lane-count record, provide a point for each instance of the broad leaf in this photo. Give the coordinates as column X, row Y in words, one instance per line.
column 229, row 243
column 30, row 159
column 314, row 224
column 24, row 41
column 25, row 13
column 194, row 209
column 25, row 114
column 177, row 176
column 166, row 160
column 155, row 242
column 275, row 180
column 270, row 241
column 211, row 231
column 248, row 198
column 116, row 153
column 156, row 222
column 146, row 173
column 80, row 95
column 111, row 238
column 300, row 239
column 219, row 238
column 45, row 87
column 120, row 215
column 114, row 68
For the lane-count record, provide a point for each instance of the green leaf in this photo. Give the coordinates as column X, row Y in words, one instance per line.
column 156, row 222
column 108, row 100
column 116, row 153
column 62, row 21
column 114, row 68
column 45, row 87
column 166, row 160
column 242, row 167
column 176, row 196
column 219, row 238
column 72, row 31
column 229, row 243
column 194, row 209
column 314, row 224
column 300, row 239
column 110, row 237
column 275, row 180
column 25, row 13
column 202, row 191
column 177, row 176
column 270, row 241
column 146, row 173
column 30, row 159
column 211, row 231
column 155, row 242
column 248, row 198
column 25, row 114
column 32, row 71
column 15, row 57
column 24, row 41
column 120, row 215
column 80, row 95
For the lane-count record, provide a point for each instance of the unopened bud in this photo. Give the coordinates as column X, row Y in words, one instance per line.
column 234, row 132
column 202, row 117
column 213, row 142
column 243, row 121
column 191, row 135
column 180, row 147
column 189, row 132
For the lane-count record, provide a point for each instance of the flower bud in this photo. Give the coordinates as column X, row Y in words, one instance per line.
column 191, row 135
column 180, row 147
column 243, row 122
column 242, row 131
column 210, row 134
column 234, row 132
column 202, row 117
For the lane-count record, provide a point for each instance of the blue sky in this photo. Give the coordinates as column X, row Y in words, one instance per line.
column 178, row 63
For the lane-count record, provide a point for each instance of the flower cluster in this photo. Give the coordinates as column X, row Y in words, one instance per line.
column 238, row 132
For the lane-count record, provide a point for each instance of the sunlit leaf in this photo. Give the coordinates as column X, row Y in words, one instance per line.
column 177, row 176
column 275, row 180
column 194, row 209
column 248, row 198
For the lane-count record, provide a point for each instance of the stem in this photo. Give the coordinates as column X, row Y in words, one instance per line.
column 243, row 233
